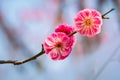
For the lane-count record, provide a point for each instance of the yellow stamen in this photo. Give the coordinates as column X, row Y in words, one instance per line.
column 88, row 22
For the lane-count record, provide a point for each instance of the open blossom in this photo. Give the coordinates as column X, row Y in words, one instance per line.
column 67, row 29
column 58, row 46
column 88, row 22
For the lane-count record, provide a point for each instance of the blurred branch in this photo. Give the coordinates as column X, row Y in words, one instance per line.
column 106, row 63
column 15, row 62
column 81, row 4
column 100, row 3
column 104, row 15
column 59, row 17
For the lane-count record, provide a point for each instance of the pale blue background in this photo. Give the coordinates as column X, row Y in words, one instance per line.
column 32, row 33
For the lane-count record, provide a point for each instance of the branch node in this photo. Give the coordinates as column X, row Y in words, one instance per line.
column 103, row 16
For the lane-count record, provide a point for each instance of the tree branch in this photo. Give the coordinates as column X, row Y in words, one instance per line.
column 72, row 33
column 15, row 62
column 103, row 16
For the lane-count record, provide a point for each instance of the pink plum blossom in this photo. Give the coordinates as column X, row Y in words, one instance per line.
column 57, row 46
column 67, row 29
column 88, row 22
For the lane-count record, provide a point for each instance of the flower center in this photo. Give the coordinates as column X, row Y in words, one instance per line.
column 88, row 22
column 59, row 45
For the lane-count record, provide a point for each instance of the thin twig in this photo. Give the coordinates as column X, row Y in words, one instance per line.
column 103, row 16
column 15, row 62
column 72, row 33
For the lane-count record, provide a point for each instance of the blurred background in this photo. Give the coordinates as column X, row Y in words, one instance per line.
column 24, row 25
